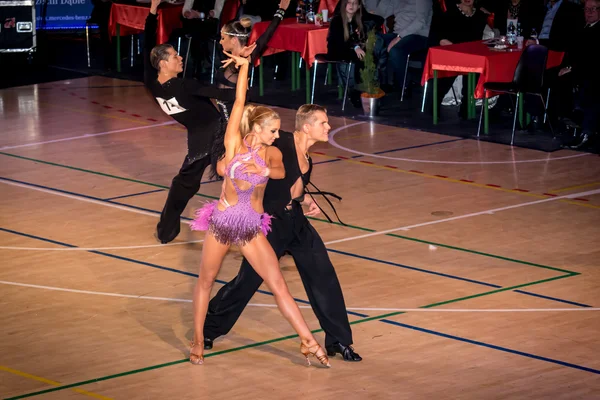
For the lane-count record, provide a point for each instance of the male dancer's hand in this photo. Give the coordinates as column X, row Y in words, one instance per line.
column 247, row 50
column 313, row 208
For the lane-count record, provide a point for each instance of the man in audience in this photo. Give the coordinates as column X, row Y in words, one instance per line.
column 580, row 75
column 412, row 19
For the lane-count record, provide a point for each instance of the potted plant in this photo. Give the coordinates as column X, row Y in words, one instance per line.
column 371, row 92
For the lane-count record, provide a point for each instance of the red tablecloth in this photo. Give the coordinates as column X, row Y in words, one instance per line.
column 462, row 58
column 306, row 39
column 133, row 18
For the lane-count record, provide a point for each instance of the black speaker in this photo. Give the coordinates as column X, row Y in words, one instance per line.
column 17, row 26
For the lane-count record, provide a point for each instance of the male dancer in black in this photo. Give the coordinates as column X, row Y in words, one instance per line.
column 292, row 232
column 182, row 100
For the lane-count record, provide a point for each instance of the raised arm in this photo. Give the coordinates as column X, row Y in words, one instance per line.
column 150, row 41
column 232, row 134
column 263, row 40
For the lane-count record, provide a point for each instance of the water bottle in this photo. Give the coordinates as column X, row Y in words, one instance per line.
column 519, row 31
column 310, row 14
column 511, row 34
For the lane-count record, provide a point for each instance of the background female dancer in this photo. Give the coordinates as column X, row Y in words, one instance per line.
column 248, row 163
column 189, row 103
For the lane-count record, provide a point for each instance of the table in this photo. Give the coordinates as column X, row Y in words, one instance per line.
column 475, row 58
column 303, row 40
column 128, row 19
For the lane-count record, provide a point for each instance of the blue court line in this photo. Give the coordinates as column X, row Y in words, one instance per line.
column 134, row 194
column 492, row 346
column 552, row 298
column 330, row 250
column 393, row 150
column 414, row 268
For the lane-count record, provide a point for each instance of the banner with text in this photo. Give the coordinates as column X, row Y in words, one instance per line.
column 62, row 14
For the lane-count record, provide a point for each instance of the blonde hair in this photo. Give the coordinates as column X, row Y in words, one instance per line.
column 306, row 115
column 254, row 115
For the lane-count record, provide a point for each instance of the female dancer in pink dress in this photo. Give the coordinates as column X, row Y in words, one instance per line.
column 238, row 217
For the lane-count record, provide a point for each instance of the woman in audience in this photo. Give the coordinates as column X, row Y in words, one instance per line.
column 347, row 38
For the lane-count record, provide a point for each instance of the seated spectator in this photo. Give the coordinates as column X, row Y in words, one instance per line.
column 580, row 72
column 412, row 19
column 201, row 21
column 528, row 13
column 556, row 31
column 459, row 24
column 347, row 38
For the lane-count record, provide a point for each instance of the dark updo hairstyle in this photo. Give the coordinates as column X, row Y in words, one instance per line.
column 240, row 29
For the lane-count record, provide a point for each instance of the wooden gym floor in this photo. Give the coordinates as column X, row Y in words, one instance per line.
column 470, row 269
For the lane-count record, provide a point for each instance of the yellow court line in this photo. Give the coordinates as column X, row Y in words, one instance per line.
column 138, row 121
column 481, row 185
column 50, row 382
column 566, row 189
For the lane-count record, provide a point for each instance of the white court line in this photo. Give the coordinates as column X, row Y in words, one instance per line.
column 133, row 296
column 339, row 146
column 492, row 211
column 88, row 135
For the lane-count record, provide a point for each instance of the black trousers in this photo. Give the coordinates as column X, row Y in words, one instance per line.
column 292, row 233
column 184, row 186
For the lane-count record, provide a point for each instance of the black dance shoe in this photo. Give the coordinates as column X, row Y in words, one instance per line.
column 347, row 352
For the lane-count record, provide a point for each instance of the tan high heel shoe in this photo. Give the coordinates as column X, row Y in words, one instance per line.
column 315, row 351
column 196, row 359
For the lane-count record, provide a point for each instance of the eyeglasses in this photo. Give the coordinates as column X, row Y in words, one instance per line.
column 590, row 9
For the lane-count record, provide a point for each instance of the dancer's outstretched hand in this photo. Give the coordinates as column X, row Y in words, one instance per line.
column 238, row 60
column 247, row 50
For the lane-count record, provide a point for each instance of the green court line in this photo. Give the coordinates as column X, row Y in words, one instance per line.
column 312, row 218
column 257, row 344
column 483, row 254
